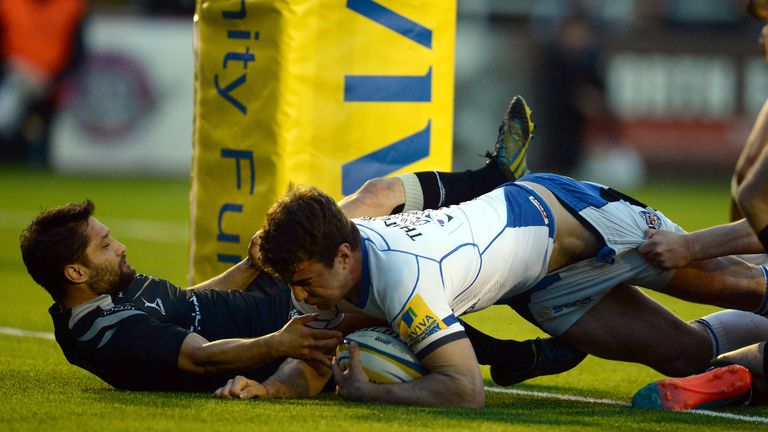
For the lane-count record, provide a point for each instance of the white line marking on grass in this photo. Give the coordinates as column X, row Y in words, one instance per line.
column 149, row 230
column 544, row 395
column 567, row 397
column 26, row 333
column 558, row 396
column 138, row 229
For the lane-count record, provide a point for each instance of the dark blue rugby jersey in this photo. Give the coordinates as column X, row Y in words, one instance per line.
column 132, row 341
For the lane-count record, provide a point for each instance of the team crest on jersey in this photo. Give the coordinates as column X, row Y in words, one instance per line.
column 651, row 219
column 418, row 322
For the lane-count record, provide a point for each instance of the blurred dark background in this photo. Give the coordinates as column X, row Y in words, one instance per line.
column 621, row 89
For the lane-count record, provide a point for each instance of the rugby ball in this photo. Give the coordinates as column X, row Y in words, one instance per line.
column 384, row 357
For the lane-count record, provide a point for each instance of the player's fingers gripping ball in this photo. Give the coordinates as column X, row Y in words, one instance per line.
column 384, row 357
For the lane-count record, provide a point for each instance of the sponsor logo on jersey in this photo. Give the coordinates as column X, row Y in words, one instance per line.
column 117, row 308
column 157, row 304
column 418, row 322
column 446, row 221
column 653, row 221
column 441, row 218
column 548, row 312
column 195, row 327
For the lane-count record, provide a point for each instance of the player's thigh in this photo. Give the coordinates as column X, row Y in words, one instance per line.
column 727, row 282
column 628, row 325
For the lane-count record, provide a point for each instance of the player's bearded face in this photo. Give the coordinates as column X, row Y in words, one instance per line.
column 106, row 259
column 110, row 277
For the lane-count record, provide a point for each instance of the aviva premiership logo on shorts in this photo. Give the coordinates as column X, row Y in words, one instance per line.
column 418, row 322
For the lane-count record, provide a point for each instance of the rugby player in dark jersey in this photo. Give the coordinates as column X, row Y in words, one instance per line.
column 141, row 333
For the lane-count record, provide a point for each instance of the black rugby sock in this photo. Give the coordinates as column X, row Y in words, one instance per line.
column 492, row 351
column 441, row 189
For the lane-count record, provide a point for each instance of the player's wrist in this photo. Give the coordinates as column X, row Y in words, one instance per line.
column 692, row 247
column 274, row 345
column 276, row 389
column 364, row 391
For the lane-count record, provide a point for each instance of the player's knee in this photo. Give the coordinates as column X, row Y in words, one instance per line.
column 744, row 195
column 381, row 191
column 746, row 286
column 749, row 194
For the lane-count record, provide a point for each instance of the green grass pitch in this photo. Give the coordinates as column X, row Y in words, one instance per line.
column 41, row 391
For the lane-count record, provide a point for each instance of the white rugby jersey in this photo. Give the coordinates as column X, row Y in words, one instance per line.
column 420, row 270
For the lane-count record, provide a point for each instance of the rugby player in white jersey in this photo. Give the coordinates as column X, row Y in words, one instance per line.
column 563, row 252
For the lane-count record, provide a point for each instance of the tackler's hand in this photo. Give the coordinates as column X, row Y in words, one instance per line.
column 241, row 387
column 296, row 340
column 666, row 249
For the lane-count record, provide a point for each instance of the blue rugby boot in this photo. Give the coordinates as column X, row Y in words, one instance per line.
column 515, row 133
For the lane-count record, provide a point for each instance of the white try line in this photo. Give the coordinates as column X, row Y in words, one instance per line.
column 138, row 229
column 544, row 395
column 26, row 333
column 584, row 399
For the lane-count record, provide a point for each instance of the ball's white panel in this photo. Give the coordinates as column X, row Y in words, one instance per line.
column 384, row 357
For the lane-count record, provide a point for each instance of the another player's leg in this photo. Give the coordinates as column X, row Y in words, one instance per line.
column 515, row 133
column 718, row 387
column 734, row 333
column 754, row 358
column 726, row 384
column 508, row 162
column 627, row 325
column 421, row 191
column 513, row 362
column 551, row 356
column 756, row 144
column 435, row 189
column 752, row 196
column 730, row 330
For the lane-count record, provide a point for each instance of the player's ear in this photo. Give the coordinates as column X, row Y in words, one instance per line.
column 344, row 253
column 76, row 273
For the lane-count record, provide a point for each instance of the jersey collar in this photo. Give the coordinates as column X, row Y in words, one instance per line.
column 365, row 275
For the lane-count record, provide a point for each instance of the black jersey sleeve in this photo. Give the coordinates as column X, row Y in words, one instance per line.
column 136, row 352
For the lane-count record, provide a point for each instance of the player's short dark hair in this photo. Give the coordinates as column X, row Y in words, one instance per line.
column 55, row 238
column 305, row 224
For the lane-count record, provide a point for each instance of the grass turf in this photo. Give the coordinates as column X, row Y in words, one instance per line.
column 41, row 391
